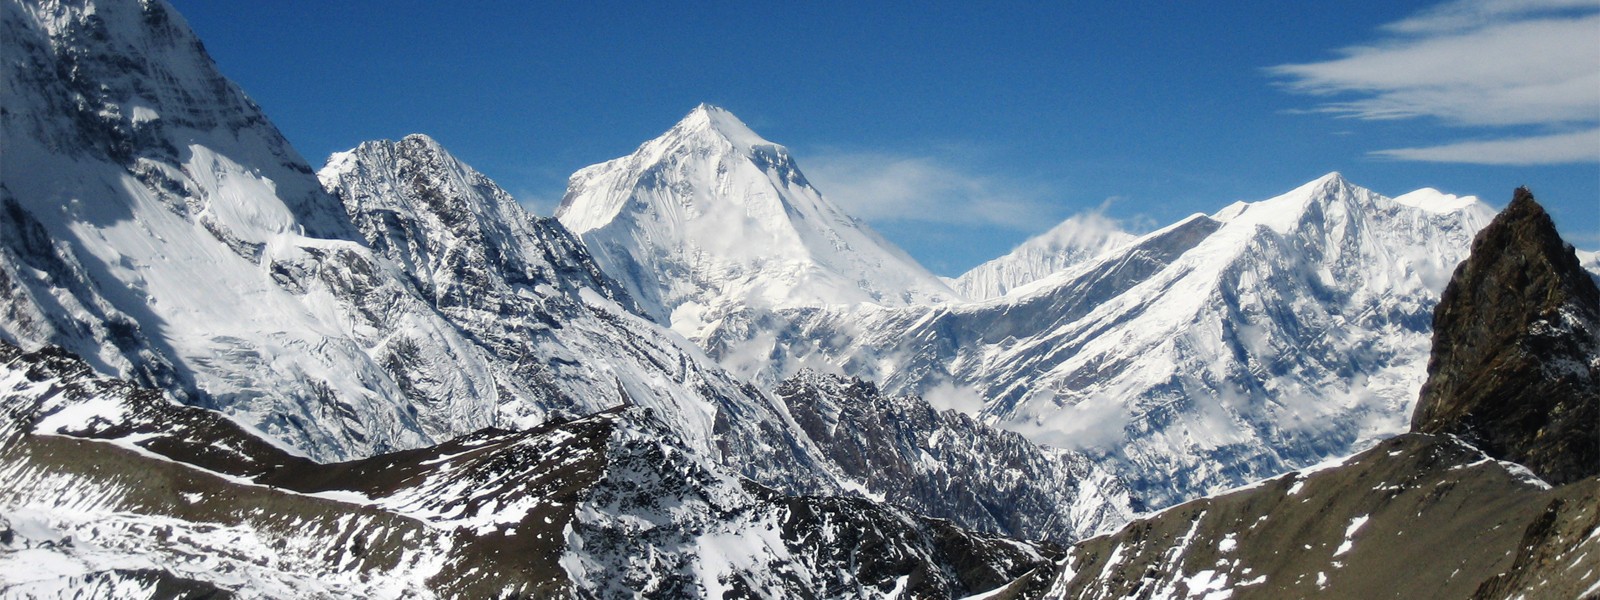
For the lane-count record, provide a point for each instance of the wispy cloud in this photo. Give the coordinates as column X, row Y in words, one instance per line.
column 880, row 186
column 1475, row 63
column 1576, row 147
column 1466, row 14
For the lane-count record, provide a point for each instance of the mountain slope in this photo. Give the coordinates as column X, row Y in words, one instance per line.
column 1418, row 516
column 156, row 223
column 710, row 215
column 1218, row 350
column 1073, row 241
column 437, row 306
column 557, row 334
column 115, row 486
column 1422, row 514
column 946, row 464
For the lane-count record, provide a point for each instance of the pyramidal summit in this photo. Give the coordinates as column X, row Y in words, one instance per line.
column 710, row 218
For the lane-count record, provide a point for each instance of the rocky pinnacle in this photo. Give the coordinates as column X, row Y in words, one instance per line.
column 1516, row 358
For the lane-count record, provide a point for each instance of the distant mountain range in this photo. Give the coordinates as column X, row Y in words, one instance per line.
column 224, row 373
column 1212, row 352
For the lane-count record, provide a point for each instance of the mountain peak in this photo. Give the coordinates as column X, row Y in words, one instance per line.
column 1079, row 238
column 1331, row 184
column 1516, row 349
column 1282, row 212
column 717, row 121
column 423, row 139
column 711, row 216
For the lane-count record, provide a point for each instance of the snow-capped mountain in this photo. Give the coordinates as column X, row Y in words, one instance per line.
column 559, row 337
column 157, row 224
column 710, row 218
column 434, row 307
column 522, row 289
column 1424, row 514
column 1074, row 241
column 1215, row 351
column 113, row 490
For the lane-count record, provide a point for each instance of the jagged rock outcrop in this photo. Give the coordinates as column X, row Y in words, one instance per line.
column 947, row 464
column 1516, row 350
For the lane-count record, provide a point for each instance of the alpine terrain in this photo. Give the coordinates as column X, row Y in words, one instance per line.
column 224, row 373
column 1471, row 504
column 1224, row 348
column 115, row 491
column 158, row 228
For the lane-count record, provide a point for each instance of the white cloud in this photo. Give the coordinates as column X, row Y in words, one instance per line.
column 1526, row 72
column 1475, row 63
column 1097, row 424
column 877, row 186
column 952, row 396
column 1577, row 147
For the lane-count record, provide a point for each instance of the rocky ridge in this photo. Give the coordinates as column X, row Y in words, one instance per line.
column 115, row 487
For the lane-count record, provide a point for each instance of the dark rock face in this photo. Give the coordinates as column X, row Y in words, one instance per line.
column 949, row 465
column 1516, row 350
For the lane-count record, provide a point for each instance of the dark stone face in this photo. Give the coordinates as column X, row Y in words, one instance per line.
column 1516, row 359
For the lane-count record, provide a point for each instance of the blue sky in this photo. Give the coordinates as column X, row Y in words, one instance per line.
column 959, row 129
